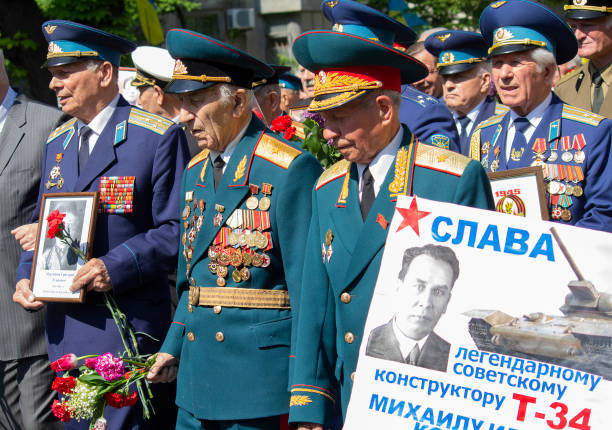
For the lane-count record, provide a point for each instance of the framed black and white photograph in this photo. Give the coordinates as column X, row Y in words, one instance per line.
column 64, row 242
column 520, row 192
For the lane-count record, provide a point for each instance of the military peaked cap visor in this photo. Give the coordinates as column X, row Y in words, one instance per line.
column 587, row 9
column 456, row 50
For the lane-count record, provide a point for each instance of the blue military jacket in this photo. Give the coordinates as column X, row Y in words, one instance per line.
column 234, row 361
column 429, row 119
column 573, row 147
column 489, row 108
column 343, row 256
column 139, row 248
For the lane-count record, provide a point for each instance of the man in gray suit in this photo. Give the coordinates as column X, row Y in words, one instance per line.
column 423, row 291
column 25, row 376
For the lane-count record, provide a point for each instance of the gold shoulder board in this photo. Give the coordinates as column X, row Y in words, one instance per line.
column 202, row 155
column 61, row 129
column 495, row 119
column 275, row 151
column 501, row 109
column 336, row 171
column 150, row 121
column 432, row 157
column 581, row 115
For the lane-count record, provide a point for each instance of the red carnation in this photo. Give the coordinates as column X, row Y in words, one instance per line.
column 61, row 411
column 64, row 385
column 55, row 221
column 281, row 123
column 90, row 363
column 67, row 362
column 117, row 400
column 289, row 133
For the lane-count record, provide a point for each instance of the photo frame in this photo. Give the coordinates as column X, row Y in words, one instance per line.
column 55, row 262
column 520, row 192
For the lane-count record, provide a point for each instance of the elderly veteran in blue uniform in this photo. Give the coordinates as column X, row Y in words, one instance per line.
column 290, row 87
column 246, row 205
column 107, row 145
column 572, row 145
column 466, row 72
column 426, row 116
column 357, row 91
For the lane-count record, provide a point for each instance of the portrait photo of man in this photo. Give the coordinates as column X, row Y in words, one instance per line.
column 423, row 290
column 57, row 254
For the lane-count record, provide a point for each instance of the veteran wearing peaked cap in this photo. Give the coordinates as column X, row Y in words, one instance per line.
column 426, row 117
column 588, row 86
column 109, row 146
column 357, row 91
column 526, row 42
column 246, row 205
column 268, row 93
column 290, row 87
column 462, row 61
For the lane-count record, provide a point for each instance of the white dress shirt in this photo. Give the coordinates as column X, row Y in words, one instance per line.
column 406, row 344
column 381, row 163
column 99, row 122
column 226, row 155
column 7, row 103
column 472, row 116
column 534, row 117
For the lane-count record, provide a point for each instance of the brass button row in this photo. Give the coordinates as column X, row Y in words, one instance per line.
column 219, row 336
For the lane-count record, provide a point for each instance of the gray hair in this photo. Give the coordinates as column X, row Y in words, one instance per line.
column 94, row 64
column 543, row 58
column 227, row 91
column 396, row 98
column 483, row 67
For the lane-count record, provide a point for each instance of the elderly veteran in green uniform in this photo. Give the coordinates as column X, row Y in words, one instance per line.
column 572, row 145
column 246, row 205
column 588, row 86
column 357, row 90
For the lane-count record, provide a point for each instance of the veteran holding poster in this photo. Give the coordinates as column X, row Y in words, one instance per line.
column 357, row 90
column 109, row 146
column 526, row 42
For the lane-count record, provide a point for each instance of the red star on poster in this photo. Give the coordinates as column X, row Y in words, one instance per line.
column 411, row 216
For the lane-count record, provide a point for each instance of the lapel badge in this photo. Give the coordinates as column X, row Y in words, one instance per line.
column 380, row 219
column 240, row 169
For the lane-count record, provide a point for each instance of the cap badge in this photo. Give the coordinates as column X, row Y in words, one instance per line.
column 50, row 28
column 442, row 37
column 502, row 34
column 497, row 4
column 580, row 2
column 179, row 68
column 331, row 3
column 338, row 27
column 448, row 57
column 322, row 77
column 53, row 48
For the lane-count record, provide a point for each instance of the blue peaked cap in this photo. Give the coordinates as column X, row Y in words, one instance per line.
column 456, row 50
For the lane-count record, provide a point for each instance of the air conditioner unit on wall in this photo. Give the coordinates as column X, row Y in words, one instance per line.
column 240, row 19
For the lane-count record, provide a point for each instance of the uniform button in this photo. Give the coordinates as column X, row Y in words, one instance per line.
column 217, row 309
column 219, row 336
column 353, row 376
column 190, row 336
column 349, row 337
column 190, row 308
column 345, row 297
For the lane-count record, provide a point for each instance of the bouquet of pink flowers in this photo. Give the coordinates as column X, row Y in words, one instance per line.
column 102, row 379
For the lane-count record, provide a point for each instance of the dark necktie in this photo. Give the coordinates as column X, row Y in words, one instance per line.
column 464, row 121
column 218, row 164
column 597, row 92
column 413, row 356
column 84, row 134
column 519, row 143
column 367, row 193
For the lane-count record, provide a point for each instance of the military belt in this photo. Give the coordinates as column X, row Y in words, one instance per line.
column 249, row 298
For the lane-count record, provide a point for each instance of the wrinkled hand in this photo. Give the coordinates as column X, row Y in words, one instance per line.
column 309, row 426
column 26, row 236
column 164, row 369
column 93, row 276
column 23, row 295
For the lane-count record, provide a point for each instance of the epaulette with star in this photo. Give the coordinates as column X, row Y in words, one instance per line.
column 337, row 170
column 443, row 160
column 581, row 115
column 61, row 129
column 202, row 155
column 276, row 151
column 150, row 121
column 494, row 120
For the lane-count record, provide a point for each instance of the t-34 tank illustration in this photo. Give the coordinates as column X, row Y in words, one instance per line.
column 581, row 338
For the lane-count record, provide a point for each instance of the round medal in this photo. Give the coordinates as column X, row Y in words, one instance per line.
column 236, row 275
column 264, row 203
column 556, row 213
column 567, row 156
column 566, row 215
column 184, row 239
column 257, row 260
column 261, row 241
column 186, row 212
column 250, row 240
column 252, row 202
column 242, row 239
column 236, row 259
column 247, row 260
column 222, row 271
column 579, row 156
column 221, row 282
column 537, row 162
column 223, row 259
column 578, row 191
column 212, row 266
column 189, row 252
column 245, row 274
column 494, row 165
column 212, row 253
column 553, row 156
column 232, row 239
column 561, row 188
column 569, row 189
column 266, row 260
column 553, row 187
